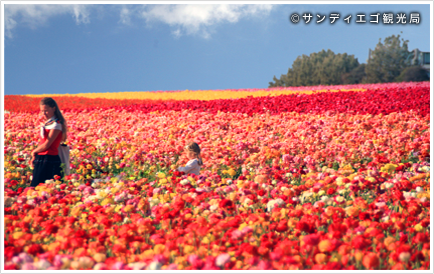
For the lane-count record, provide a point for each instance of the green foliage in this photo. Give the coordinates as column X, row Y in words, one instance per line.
column 387, row 60
column 356, row 76
column 321, row 68
column 413, row 74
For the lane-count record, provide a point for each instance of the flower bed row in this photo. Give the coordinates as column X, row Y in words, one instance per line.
column 16, row 103
column 374, row 102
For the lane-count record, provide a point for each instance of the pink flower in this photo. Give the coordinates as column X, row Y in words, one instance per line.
column 237, row 234
column 222, row 259
column 118, row 266
column 28, row 266
column 195, row 261
column 172, row 267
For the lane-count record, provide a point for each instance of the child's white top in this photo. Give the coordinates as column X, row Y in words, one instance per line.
column 191, row 167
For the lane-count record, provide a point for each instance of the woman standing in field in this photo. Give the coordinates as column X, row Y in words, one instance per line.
column 45, row 158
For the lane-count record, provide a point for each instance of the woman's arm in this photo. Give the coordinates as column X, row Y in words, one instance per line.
column 188, row 167
column 52, row 135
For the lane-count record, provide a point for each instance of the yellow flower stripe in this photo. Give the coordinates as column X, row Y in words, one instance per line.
column 192, row 95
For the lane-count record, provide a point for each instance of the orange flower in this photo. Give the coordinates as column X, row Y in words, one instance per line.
column 325, row 245
column 344, row 249
column 352, row 211
column 320, row 258
column 261, row 179
column 371, row 260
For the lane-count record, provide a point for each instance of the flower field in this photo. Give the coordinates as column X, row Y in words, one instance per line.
column 310, row 178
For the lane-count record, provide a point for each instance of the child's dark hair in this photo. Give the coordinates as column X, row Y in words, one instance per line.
column 48, row 101
column 192, row 146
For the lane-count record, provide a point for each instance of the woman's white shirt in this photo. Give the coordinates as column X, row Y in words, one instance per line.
column 191, row 167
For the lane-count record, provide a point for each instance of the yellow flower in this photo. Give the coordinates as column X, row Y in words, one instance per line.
column 188, row 249
column 159, row 249
column 418, row 227
column 17, row 235
column 371, row 179
column 128, row 208
column 232, row 172
column 118, row 208
column 389, row 168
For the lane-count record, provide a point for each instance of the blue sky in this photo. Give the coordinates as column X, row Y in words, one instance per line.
column 72, row 48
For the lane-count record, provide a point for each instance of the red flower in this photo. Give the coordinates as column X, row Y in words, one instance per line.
column 35, row 249
column 226, row 204
column 312, row 239
column 331, row 191
column 359, row 242
column 282, row 226
column 261, row 192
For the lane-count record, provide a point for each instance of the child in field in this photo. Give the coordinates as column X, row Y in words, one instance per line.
column 193, row 154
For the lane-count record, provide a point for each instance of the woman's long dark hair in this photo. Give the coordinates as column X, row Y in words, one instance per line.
column 48, row 101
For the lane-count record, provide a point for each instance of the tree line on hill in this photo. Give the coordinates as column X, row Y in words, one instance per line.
column 388, row 62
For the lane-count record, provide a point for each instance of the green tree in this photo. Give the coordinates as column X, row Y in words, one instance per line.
column 356, row 76
column 387, row 60
column 320, row 68
column 413, row 74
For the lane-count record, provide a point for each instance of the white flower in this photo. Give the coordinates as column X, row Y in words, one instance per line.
column 385, row 219
column 419, row 189
column 247, row 201
column 154, row 266
column 340, row 199
column 137, row 265
column 342, row 191
column 154, row 202
column 184, row 182
column 404, row 256
column 388, row 185
column 213, row 207
column 425, row 169
column 324, row 198
column 273, row 203
column 42, row 264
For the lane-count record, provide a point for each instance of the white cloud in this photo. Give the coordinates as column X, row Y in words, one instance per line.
column 33, row 16
column 198, row 19
column 125, row 16
column 184, row 19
